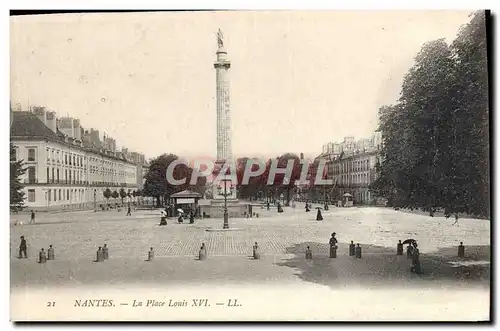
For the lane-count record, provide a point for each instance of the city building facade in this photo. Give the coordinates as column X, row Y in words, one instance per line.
column 353, row 174
column 67, row 167
column 352, row 166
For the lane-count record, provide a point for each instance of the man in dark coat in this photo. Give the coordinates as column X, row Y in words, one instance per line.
column 23, row 248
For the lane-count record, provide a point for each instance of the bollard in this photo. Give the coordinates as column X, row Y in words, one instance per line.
column 461, row 250
column 151, row 254
column 100, row 256
column 358, row 252
column 42, row 258
column 309, row 254
column 50, row 253
column 352, row 248
column 256, row 253
column 203, row 252
column 333, row 251
column 105, row 255
column 400, row 248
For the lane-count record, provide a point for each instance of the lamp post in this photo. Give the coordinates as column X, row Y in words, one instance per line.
column 225, row 194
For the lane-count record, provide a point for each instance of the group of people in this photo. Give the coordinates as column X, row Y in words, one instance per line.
column 180, row 218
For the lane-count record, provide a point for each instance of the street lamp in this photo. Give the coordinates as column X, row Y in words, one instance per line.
column 225, row 194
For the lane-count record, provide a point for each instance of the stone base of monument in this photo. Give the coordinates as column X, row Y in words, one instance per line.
column 235, row 208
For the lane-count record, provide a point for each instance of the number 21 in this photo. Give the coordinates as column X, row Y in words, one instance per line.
column 51, row 304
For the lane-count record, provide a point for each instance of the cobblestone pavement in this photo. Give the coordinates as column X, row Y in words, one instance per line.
column 77, row 235
column 282, row 239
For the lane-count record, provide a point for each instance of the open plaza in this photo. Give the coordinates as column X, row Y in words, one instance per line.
column 282, row 238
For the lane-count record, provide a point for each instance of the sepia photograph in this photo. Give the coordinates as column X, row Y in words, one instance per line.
column 232, row 166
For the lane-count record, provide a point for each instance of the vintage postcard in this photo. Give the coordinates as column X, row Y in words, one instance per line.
column 250, row 166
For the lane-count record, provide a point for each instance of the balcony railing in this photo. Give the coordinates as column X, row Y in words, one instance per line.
column 68, row 182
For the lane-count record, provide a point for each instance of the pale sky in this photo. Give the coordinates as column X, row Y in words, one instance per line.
column 297, row 79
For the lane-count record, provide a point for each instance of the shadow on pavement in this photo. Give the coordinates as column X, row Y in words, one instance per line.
column 380, row 266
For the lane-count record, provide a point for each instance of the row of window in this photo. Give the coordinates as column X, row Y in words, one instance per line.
column 69, row 158
column 58, row 195
column 359, row 165
column 73, row 195
column 72, row 159
column 54, row 176
column 355, row 179
column 31, row 155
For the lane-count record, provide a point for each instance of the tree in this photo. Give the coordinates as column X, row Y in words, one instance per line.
column 156, row 184
column 287, row 188
column 16, row 187
column 123, row 194
column 107, row 194
column 435, row 139
column 115, row 195
column 254, row 185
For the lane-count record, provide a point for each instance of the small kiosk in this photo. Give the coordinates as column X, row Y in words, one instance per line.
column 187, row 201
column 347, row 200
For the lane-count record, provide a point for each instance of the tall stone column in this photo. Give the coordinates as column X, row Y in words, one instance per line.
column 224, row 134
column 222, row 65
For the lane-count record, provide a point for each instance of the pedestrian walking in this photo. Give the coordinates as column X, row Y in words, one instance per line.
column 32, row 217
column 23, row 248
column 129, row 211
column 456, row 220
column 163, row 220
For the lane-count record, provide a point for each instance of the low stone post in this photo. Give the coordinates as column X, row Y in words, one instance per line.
column 100, row 255
column 400, row 248
column 50, row 253
column 352, row 248
column 461, row 250
column 203, row 252
column 358, row 251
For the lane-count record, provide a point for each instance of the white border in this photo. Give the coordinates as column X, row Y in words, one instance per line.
column 186, row 4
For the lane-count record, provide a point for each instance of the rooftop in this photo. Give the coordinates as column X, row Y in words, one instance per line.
column 27, row 126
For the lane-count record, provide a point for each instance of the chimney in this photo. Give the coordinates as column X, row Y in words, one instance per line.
column 51, row 121
column 66, row 126
column 87, row 139
column 76, row 130
column 40, row 114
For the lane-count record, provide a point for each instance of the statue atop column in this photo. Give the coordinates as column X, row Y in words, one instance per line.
column 220, row 37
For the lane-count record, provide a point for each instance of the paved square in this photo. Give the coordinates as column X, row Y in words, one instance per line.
column 282, row 239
